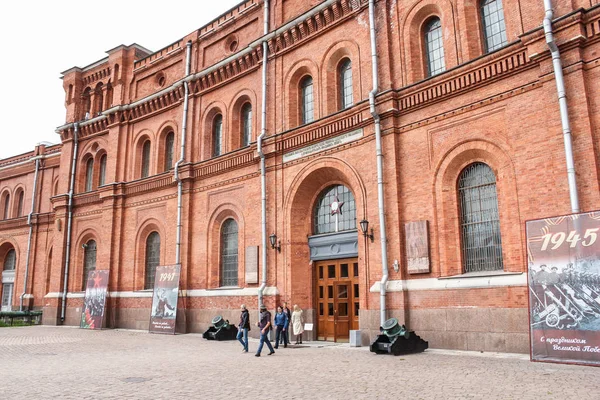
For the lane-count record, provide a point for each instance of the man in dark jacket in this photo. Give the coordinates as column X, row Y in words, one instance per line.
column 265, row 327
column 243, row 328
column 281, row 324
column 287, row 312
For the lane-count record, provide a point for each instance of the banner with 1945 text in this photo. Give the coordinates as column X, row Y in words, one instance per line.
column 164, row 299
column 564, row 288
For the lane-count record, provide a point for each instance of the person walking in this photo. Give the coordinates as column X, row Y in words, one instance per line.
column 243, row 328
column 265, row 325
column 287, row 312
column 298, row 323
column 281, row 324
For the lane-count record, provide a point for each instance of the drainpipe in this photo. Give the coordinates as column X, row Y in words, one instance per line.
column 188, row 62
column 376, row 119
column 35, row 180
column 69, row 222
column 263, row 179
column 562, row 102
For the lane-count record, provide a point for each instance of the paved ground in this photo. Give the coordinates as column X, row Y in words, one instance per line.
column 58, row 362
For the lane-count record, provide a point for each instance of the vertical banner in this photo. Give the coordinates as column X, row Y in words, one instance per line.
column 95, row 300
column 164, row 299
column 564, row 288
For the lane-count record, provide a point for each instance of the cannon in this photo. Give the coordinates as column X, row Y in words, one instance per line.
column 397, row 340
column 220, row 330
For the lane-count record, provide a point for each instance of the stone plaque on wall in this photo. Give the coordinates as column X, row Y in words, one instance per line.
column 252, row 264
column 417, row 247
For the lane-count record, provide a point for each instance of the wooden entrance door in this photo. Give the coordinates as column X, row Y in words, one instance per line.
column 337, row 298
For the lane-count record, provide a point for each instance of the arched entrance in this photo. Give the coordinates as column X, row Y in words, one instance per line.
column 325, row 267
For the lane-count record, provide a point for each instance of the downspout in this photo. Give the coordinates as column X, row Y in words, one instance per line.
column 35, row 180
column 562, row 102
column 188, row 62
column 69, row 222
column 376, row 119
column 263, row 178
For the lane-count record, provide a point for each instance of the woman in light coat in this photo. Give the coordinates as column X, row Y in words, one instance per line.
column 298, row 323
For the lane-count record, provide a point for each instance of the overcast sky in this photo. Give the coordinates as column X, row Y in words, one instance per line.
column 41, row 38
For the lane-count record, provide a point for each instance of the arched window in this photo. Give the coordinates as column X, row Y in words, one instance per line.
column 217, row 135
column 89, row 174
column 87, row 103
column 102, row 174
column 98, row 99
column 434, row 43
column 494, row 29
column 246, row 124
column 169, row 142
column 229, row 253
column 335, row 210
column 10, row 261
column 89, row 261
column 6, row 205
column 152, row 259
column 479, row 220
column 307, row 100
column 146, row 159
column 346, row 91
column 20, row 199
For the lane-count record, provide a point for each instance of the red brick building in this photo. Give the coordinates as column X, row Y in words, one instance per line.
column 471, row 148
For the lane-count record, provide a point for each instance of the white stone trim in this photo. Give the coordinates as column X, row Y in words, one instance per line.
column 463, row 282
column 220, row 292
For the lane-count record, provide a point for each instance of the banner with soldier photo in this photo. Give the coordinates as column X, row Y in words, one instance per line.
column 564, row 288
column 95, row 300
column 164, row 299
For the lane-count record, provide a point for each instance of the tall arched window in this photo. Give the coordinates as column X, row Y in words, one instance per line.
column 335, row 210
column 246, row 124
column 307, row 100
column 89, row 174
column 479, row 219
column 98, row 99
column 10, row 261
column 494, row 29
column 217, row 135
column 89, row 261
column 146, row 159
column 169, row 142
column 152, row 259
column 86, row 99
column 6, row 206
column 346, row 90
column 102, row 174
column 229, row 253
column 434, row 43
column 20, row 200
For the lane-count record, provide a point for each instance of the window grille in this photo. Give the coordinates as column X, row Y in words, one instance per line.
column 89, row 172
column 345, row 220
column 246, row 124
column 102, row 174
column 89, row 261
column 479, row 219
column 152, row 259
column 435, row 47
column 146, row 159
column 229, row 253
column 346, row 91
column 169, row 141
column 10, row 260
column 494, row 29
column 307, row 100
column 217, row 135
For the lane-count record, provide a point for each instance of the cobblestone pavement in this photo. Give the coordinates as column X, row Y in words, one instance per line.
column 43, row 362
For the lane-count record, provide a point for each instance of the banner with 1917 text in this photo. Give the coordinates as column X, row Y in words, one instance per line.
column 164, row 300
column 564, row 288
column 95, row 300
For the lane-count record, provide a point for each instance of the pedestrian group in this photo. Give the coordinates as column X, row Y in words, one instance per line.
column 284, row 319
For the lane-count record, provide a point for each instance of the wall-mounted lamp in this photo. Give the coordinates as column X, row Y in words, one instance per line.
column 275, row 244
column 364, row 227
column 84, row 246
